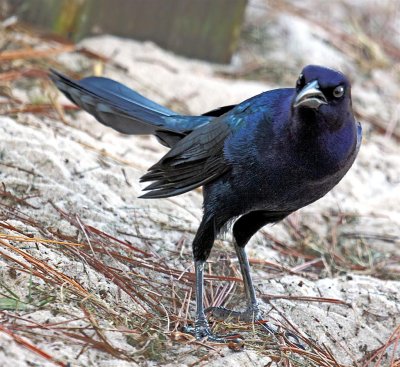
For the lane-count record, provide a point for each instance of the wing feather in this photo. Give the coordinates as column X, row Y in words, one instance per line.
column 195, row 160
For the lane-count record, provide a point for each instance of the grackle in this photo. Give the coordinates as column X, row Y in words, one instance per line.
column 258, row 161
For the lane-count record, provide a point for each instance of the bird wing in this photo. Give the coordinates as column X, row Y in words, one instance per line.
column 195, row 160
column 219, row 111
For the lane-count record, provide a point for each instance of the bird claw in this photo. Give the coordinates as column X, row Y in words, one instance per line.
column 294, row 339
column 251, row 314
column 273, row 330
column 201, row 330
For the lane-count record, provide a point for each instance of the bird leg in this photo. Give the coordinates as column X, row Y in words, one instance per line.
column 252, row 312
column 244, row 228
column 201, row 328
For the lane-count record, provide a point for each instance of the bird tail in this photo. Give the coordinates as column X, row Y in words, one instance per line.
column 125, row 110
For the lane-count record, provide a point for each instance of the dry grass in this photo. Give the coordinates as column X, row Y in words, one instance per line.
column 337, row 253
column 163, row 296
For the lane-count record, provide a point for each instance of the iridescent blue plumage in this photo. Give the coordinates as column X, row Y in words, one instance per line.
column 257, row 161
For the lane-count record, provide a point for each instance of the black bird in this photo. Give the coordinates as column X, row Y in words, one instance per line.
column 257, row 161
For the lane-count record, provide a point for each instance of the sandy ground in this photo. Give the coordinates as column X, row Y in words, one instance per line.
column 63, row 163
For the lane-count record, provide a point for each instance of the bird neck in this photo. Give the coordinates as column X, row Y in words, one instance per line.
column 326, row 143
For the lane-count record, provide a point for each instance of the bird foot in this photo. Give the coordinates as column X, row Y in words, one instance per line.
column 201, row 330
column 251, row 314
column 274, row 330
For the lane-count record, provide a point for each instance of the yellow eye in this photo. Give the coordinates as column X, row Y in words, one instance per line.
column 300, row 81
column 338, row 91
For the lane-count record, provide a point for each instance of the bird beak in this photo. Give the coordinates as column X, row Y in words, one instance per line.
column 310, row 96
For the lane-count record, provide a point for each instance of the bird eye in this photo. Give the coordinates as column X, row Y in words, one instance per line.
column 300, row 80
column 338, row 91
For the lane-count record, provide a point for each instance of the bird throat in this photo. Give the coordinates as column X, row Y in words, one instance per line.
column 313, row 141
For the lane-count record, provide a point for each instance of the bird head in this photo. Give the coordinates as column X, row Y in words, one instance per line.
column 322, row 91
